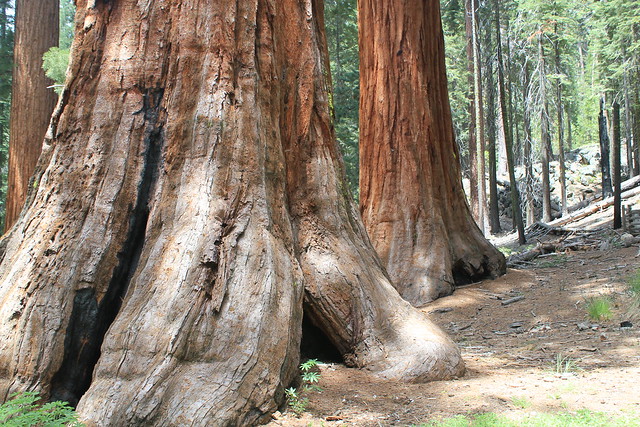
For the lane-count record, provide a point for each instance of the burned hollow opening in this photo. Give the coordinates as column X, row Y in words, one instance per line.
column 316, row 345
column 464, row 274
column 90, row 320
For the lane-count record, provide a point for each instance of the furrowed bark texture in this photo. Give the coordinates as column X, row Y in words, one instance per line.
column 190, row 202
column 411, row 195
column 32, row 102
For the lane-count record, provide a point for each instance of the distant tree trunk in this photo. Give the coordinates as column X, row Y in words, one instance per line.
column 636, row 105
column 3, row 161
column 36, row 30
column 568, row 122
column 560, row 131
column 617, row 177
column 503, row 168
column 190, row 205
column 636, row 132
column 472, row 147
column 337, row 77
column 545, row 136
column 605, row 165
column 479, row 116
column 507, row 66
column 503, row 117
column 609, row 121
column 494, row 212
column 628, row 125
column 528, row 157
column 411, row 194
column 5, row 78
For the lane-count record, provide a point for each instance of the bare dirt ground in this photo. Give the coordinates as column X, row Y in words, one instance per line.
column 511, row 351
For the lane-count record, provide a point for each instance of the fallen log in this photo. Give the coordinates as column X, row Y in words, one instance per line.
column 630, row 183
column 589, row 210
column 573, row 241
column 540, row 249
column 512, row 300
column 625, row 186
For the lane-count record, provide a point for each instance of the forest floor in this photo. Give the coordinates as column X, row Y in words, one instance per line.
column 541, row 354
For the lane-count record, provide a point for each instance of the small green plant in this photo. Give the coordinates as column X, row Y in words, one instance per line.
column 520, row 402
column 23, row 410
column 564, row 364
column 54, row 63
column 599, row 308
column 310, row 378
column 296, row 400
column 634, row 284
column 555, row 261
column 296, row 403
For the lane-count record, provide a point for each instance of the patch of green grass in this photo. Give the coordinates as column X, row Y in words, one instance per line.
column 634, row 284
column 582, row 418
column 506, row 251
column 488, row 419
column 634, row 287
column 520, row 402
column 565, row 388
column 555, row 261
column 599, row 308
column 565, row 364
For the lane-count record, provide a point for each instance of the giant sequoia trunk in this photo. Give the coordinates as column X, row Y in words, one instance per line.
column 32, row 102
column 190, row 202
column 410, row 188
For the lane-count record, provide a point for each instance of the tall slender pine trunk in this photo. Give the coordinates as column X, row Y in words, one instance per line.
column 545, row 135
column 605, row 147
column 494, row 211
column 560, row 126
column 636, row 102
column 617, row 176
column 528, row 152
column 479, row 116
column 628, row 125
column 503, row 117
column 473, row 135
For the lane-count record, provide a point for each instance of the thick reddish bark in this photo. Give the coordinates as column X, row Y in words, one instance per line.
column 31, row 102
column 190, row 202
column 410, row 188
